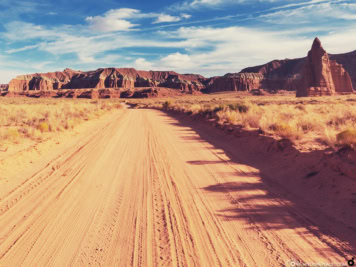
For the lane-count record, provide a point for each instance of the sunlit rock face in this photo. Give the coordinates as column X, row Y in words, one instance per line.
column 106, row 78
column 322, row 76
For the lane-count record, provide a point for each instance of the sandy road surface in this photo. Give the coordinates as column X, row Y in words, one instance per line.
column 146, row 191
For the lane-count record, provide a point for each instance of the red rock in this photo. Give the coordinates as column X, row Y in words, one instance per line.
column 322, row 76
column 235, row 82
column 106, row 78
column 279, row 74
column 348, row 61
column 4, row 87
column 341, row 78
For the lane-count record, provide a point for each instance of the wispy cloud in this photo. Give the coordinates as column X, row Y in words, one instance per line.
column 13, row 9
column 233, row 48
column 188, row 5
column 313, row 12
column 25, row 48
column 166, row 18
column 122, row 19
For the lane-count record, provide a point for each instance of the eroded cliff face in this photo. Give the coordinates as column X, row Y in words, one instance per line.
column 4, row 87
column 348, row 62
column 341, row 78
column 127, row 78
column 279, row 74
column 322, row 76
column 234, row 82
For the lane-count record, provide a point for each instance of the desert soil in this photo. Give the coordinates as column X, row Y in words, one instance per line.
column 145, row 190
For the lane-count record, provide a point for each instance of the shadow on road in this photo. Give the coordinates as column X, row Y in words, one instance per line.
column 288, row 184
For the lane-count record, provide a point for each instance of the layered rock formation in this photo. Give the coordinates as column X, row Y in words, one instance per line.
column 127, row 78
column 287, row 74
column 234, row 82
column 322, row 76
column 4, row 87
column 279, row 74
column 348, row 62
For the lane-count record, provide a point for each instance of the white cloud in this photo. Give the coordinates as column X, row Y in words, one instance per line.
column 121, row 19
column 234, row 48
column 27, row 47
column 7, row 75
column 185, row 16
column 113, row 20
column 18, row 30
column 195, row 4
column 177, row 61
column 166, row 18
column 313, row 13
column 142, row 64
column 186, row 5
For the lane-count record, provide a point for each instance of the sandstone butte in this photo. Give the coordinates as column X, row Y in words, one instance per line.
column 317, row 74
column 322, row 76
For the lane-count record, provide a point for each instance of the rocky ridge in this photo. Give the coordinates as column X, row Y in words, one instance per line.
column 317, row 74
column 126, row 78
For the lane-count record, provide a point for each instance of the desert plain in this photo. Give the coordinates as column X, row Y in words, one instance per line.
column 226, row 179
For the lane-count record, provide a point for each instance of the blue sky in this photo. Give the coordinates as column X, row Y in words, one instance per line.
column 209, row 37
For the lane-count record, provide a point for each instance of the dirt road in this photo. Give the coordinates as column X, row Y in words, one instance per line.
column 143, row 190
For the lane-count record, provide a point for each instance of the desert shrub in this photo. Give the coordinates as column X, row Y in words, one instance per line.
column 43, row 127
column 301, row 107
column 118, row 106
column 346, row 138
column 242, row 108
column 195, row 108
column 30, row 118
column 285, row 130
column 218, row 108
column 13, row 135
column 167, row 105
column 231, row 116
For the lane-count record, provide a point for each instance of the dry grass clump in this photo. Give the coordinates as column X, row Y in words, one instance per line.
column 327, row 120
column 347, row 138
column 36, row 118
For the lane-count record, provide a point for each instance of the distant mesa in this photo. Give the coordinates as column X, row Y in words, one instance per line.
column 317, row 74
column 124, row 78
